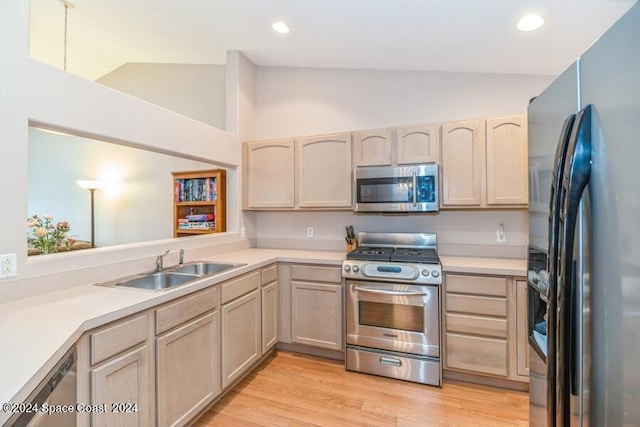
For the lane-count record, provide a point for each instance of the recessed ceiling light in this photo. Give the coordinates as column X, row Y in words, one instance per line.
column 280, row 27
column 530, row 22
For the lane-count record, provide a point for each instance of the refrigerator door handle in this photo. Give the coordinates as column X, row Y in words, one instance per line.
column 577, row 171
column 553, row 263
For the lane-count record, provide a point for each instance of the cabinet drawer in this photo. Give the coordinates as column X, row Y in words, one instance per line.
column 269, row 274
column 493, row 286
column 242, row 285
column 316, row 274
column 117, row 338
column 476, row 325
column 486, row 355
column 470, row 304
column 185, row 309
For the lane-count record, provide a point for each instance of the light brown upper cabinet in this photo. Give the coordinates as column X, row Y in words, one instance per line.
column 373, row 147
column 417, row 144
column 396, row 146
column 269, row 174
column 324, row 171
column 507, row 161
column 305, row 173
column 462, row 163
column 484, row 163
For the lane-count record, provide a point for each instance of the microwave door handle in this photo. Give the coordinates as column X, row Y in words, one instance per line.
column 415, row 188
column 393, row 293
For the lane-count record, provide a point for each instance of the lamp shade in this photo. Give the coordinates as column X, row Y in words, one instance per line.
column 91, row 184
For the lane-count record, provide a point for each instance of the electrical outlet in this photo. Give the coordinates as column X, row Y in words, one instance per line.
column 243, row 232
column 309, row 231
column 501, row 236
column 8, row 266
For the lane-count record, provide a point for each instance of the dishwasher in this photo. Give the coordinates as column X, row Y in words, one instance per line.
column 58, row 388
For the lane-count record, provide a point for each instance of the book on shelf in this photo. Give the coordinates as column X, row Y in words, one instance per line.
column 200, row 217
column 195, row 190
column 198, row 225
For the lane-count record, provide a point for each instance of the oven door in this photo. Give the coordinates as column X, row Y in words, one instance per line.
column 394, row 317
column 397, row 189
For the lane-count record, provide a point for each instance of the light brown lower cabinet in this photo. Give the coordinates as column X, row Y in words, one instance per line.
column 483, row 321
column 241, row 329
column 269, row 316
column 122, row 383
column 187, row 367
column 115, row 374
column 521, row 328
column 316, row 307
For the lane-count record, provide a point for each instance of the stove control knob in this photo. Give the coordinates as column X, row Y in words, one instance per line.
column 347, row 268
column 435, row 273
column 425, row 272
column 356, row 268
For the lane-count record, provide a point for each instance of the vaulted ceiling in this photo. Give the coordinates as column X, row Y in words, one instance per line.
column 441, row 35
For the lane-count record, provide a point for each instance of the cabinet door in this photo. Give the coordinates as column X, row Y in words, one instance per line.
column 476, row 354
column 417, row 144
column 507, row 161
column 324, row 172
column 127, row 380
column 373, row 148
column 270, row 174
column 522, row 344
column 316, row 314
column 269, row 316
column 188, row 370
column 462, row 163
column 241, row 344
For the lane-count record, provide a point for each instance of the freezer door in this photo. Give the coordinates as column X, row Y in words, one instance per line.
column 576, row 174
column 611, row 82
column 550, row 118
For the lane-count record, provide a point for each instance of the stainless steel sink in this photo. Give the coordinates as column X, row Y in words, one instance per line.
column 202, row 268
column 157, row 281
column 172, row 276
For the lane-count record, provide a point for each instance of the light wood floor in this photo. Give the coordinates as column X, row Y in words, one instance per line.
column 290, row 389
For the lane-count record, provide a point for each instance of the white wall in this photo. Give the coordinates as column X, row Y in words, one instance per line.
column 458, row 232
column 135, row 207
column 37, row 92
column 241, row 118
column 303, row 101
column 295, row 102
column 195, row 90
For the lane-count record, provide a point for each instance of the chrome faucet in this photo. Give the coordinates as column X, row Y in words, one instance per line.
column 159, row 261
column 181, row 257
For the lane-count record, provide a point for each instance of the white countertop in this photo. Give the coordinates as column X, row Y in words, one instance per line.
column 497, row 266
column 36, row 332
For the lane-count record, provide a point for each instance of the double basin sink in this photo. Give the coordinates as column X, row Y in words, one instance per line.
column 172, row 276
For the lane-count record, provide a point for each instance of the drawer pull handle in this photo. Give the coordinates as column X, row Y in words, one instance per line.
column 390, row 361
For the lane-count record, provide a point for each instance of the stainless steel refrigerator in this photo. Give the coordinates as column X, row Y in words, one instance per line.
column 584, row 237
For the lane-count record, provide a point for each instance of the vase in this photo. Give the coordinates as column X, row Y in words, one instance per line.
column 47, row 248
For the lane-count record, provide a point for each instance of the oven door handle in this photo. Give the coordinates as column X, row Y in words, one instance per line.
column 383, row 292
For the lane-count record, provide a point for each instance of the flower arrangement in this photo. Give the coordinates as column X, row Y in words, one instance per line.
column 47, row 236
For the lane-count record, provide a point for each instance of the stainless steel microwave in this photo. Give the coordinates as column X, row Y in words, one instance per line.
column 397, row 189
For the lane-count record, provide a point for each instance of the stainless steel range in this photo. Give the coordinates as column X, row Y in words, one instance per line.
column 393, row 306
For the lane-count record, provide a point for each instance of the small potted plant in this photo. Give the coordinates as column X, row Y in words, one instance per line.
column 45, row 235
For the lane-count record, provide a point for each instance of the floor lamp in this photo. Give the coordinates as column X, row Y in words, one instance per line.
column 92, row 186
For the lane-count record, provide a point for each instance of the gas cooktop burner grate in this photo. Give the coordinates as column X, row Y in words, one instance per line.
column 425, row 256
column 370, row 253
column 415, row 255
